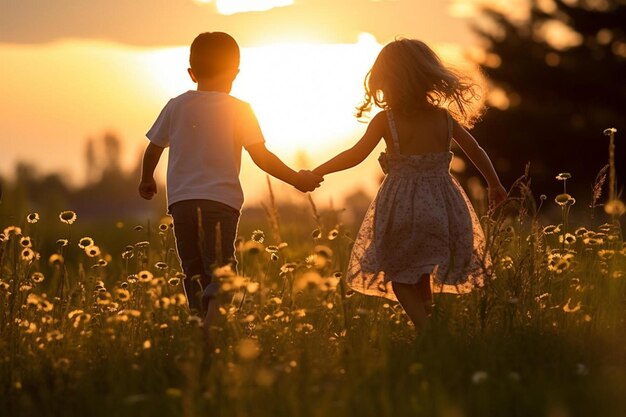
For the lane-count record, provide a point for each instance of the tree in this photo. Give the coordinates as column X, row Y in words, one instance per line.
column 561, row 76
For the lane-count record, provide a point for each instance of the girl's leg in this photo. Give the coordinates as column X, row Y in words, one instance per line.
column 412, row 302
column 423, row 287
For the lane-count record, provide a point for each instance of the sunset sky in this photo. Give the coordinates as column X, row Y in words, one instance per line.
column 73, row 69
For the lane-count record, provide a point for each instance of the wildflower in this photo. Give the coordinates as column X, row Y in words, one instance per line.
column 274, row 257
column 26, row 242
column 85, row 242
column 121, row 294
column 37, row 277
column 4, row 286
column 316, row 234
column 55, row 259
column 288, row 267
column 609, row 131
column 160, row 265
column 92, row 251
column 563, row 176
column 174, row 281
column 332, row 235
column 568, row 309
column 132, row 278
column 593, row 241
column 127, row 254
column 258, row 236
column 163, row 227
column 564, row 200
column 12, row 231
column 606, row 254
column 138, row 228
column 28, row 254
column 67, row 217
column 179, row 299
column 142, row 244
column 581, row 231
column 271, row 249
column 3, row 237
column 102, row 263
column 543, row 197
column 568, row 239
column 32, row 218
column 548, row 230
column 615, row 207
column 145, row 276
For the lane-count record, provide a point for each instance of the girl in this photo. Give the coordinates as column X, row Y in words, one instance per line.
column 420, row 234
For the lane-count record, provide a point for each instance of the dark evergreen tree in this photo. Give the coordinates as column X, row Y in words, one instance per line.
column 560, row 97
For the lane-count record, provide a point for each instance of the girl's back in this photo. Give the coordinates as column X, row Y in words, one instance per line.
column 420, row 132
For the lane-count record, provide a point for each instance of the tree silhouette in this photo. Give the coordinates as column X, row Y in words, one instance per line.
column 562, row 71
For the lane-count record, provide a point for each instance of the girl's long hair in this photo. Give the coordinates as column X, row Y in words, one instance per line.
column 408, row 76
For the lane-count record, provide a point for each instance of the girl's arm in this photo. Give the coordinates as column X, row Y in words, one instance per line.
column 480, row 159
column 356, row 154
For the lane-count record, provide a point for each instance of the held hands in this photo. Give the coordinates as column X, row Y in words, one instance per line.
column 497, row 195
column 147, row 188
column 307, row 181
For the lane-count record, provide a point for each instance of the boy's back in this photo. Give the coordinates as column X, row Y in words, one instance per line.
column 205, row 131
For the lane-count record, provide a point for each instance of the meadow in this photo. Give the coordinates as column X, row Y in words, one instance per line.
column 89, row 332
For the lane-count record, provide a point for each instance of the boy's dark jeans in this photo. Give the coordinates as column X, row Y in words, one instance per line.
column 196, row 226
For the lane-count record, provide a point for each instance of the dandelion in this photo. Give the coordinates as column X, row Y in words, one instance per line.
column 37, row 277
column 67, row 217
column 85, row 242
column 258, row 236
column 32, row 218
column 92, row 251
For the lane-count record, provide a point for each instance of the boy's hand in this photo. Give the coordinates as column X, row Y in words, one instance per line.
column 147, row 188
column 307, row 181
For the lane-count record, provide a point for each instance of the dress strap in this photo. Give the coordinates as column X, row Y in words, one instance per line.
column 450, row 127
column 394, row 132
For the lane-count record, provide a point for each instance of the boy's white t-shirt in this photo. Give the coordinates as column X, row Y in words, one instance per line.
column 205, row 131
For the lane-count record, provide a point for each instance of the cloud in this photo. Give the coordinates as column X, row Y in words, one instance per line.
column 177, row 22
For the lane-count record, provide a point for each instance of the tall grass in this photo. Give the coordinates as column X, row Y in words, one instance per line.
column 546, row 337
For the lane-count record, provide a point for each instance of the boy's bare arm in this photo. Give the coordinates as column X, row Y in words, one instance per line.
column 304, row 181
column 147, row 186
column 356, row 154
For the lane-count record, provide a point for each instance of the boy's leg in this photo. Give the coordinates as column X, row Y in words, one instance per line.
column 185, row 219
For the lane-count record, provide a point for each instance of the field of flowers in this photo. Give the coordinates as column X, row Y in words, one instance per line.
column 86, row 332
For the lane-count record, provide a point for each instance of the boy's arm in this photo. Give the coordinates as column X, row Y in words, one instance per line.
column 480, row 159
column 304, row 181
column 356, row 154
column 147, row 186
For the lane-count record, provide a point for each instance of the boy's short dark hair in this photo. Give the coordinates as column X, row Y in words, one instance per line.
column 212, row 53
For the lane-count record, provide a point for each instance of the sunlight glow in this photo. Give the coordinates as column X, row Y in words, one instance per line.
column 228, row 7
column 304, row 94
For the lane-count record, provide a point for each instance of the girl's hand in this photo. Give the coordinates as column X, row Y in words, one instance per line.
column 497, row 195
column 308, row 181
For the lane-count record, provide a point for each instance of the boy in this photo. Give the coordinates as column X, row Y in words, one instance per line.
column 205, row 130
